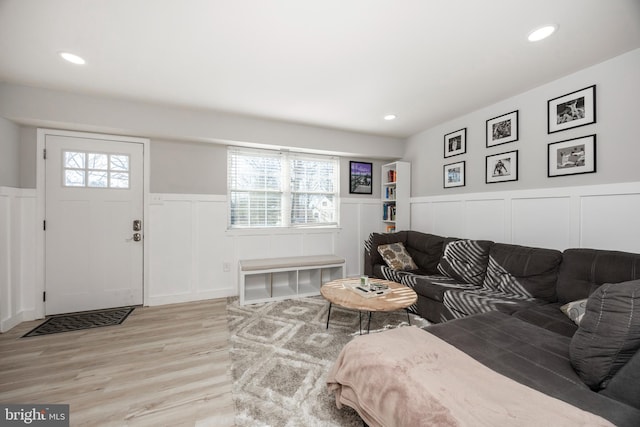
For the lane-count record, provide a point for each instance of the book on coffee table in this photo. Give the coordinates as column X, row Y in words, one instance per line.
column 374, row 290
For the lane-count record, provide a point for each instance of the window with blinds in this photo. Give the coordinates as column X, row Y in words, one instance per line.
column 281, row 189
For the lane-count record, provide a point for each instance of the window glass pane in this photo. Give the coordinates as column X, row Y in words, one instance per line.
column 97, row 161
column 119, row 180
column 97, row 179
column 311, row 175
column 73, row 160
column 119, row 162
column 313, row 209
column 256, row 209
column 74, row 178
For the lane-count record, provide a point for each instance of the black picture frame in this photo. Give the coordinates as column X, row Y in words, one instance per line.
column 501, row 167
column 360, row 177
column 455, row 143
column 572, row 110
column 502, row 129
column 454, row 174
column 572, row 156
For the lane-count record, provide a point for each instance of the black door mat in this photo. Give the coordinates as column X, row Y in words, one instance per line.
column 83, row 320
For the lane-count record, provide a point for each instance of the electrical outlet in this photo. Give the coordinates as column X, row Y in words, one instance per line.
column 226, row 267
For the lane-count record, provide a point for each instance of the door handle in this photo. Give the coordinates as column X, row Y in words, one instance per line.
column 137, row 225
column 136, row 237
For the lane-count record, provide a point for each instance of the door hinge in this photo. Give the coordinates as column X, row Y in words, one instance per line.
column 44, row 153
column 44, row 225
column 44, row 296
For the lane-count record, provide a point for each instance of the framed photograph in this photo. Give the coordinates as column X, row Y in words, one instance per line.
column 455, row 143
column 502, row 167
column 454, row 175
column 502, row 129
column 572, row 110
column 360, row 177
column 571, row 157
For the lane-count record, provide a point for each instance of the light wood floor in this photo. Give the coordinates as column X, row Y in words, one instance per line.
column 164, row 366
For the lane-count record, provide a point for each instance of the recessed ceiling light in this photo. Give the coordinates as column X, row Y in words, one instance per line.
column 74, row 59
column 390, row 117
column 542, row 33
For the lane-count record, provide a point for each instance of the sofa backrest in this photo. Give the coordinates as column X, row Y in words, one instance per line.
column 425, row 249
column 523, row 270
column 583, row 270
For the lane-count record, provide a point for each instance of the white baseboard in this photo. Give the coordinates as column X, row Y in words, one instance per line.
column 191, row 297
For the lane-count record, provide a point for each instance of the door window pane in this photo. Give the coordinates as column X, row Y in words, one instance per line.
column 95, row 170
column 74, row 178
column 98, row 161
column 97, row 179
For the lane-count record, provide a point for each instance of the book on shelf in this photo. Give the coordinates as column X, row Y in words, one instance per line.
column 391, row 228
column 390, row 193
column 391, row 175
column 388, row 212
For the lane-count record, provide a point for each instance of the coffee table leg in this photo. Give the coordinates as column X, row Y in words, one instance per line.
column 360, row 320
column 328, row 315
column 369, row 322
column 408, row 319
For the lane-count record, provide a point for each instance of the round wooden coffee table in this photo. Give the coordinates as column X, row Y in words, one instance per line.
column 398, row 298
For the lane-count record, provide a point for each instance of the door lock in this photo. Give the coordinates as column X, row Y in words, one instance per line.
column 137, row 237
column 137, row 225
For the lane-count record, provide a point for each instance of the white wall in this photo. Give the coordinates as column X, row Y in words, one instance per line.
column 64, row 110
column 189, row 244
column 17, row 246
column 618, row 151
column 594, row 216
column 9, row 153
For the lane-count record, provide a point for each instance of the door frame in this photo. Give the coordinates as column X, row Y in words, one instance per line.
column 40, row 208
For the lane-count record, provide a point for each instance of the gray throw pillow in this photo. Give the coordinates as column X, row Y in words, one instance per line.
column 465, row 260
column 609, row 333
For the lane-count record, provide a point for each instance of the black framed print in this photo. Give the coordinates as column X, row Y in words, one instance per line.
column 455, row 143
column 502, row 129
column 360, row 177
column 454, row 175
column 572, row 156
column 572, row 110
column 502, row 167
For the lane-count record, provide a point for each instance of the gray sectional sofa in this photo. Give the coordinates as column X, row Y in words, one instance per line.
column 501, row 304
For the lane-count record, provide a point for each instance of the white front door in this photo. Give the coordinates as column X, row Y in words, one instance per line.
column 94, row 193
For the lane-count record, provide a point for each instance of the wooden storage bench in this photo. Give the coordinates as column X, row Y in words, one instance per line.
column 272, row 279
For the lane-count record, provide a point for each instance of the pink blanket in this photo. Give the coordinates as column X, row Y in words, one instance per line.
column 407, row 377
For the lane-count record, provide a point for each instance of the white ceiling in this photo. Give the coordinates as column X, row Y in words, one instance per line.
column 334, row 63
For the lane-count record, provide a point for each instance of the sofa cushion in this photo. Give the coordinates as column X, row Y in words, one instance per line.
column 609, row 334
column 575, row 310
column 396, row 256
column 434, row 287
column 532, row 356
column 465, row 260
column 464, row 302
column 524, row 271
column 548, row 316
column 425, row 249
column 583, row 270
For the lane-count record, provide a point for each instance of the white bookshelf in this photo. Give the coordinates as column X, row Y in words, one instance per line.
column 395, row 195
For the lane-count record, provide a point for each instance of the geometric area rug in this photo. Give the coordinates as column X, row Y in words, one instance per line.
column 81, row 320
column 281, row 353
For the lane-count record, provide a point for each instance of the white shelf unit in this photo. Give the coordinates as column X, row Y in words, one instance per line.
column 289, row 281
column 395, row 195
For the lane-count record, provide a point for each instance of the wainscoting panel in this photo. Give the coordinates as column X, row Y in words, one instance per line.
column 191, row 248
column 597, row 216
column 17, row 249
column 542, row 222
column 448, row 216
column 485, row 220
column 605, row 219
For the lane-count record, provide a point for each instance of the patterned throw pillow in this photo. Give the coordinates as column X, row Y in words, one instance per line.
column 397, row 257
column 575, row 310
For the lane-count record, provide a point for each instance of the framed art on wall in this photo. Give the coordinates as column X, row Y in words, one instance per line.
column 360, row 177
column 572, row 110
column 454, row 175
column 502, row 129
column 572, row 156
column 455, row 143
column 502, row 167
